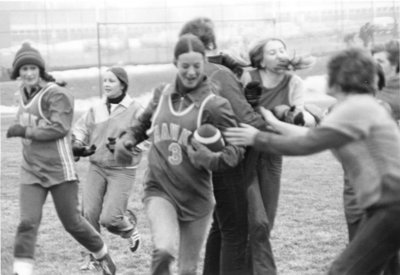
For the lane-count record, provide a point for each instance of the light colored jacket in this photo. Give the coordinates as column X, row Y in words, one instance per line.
column 98, row 124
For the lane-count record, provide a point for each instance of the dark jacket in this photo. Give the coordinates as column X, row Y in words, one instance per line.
column 228, row 86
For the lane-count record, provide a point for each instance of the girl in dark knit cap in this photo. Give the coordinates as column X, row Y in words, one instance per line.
column 106, row 192
column 178, row 191
column 43, row 123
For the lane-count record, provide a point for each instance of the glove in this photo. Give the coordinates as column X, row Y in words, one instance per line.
column 124, row 150
column 252, row 92
column 111, row 144
column 79, row 150
column 16, row 130
column 294, row 116
column 200, row 156
column 289, row 114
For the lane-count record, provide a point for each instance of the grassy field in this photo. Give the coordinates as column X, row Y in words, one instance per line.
column 309, row 230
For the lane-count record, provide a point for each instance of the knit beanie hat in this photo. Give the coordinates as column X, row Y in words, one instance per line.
column 189, row 43
column 122, row 76
column 24, row 56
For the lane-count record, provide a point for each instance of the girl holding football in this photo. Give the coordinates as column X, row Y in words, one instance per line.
column 178, row 194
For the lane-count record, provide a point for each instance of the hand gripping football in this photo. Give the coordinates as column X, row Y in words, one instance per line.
column 210, row 136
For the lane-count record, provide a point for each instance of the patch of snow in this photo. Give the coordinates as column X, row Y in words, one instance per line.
column 315, row 87
column 94, row 71
column 82, row 105
column 8, row 109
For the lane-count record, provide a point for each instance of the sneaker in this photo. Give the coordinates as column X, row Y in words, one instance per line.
column 134, row 241
column 91, row 265
column 134, row 238
column 107, row 265
column 131, row 217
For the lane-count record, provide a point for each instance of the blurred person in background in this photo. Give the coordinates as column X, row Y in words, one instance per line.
column 366, row 34
column 43, row 123
column 204, row 28
column 364, row 138
column 387, row 55
column 227, row 241
column 105, row 193
column 178, row 195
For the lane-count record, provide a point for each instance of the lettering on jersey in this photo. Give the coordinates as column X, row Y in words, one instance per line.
column 171, row 132
column 178, row 137
column 27, row 119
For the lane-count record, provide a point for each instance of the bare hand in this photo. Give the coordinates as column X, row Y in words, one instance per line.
column 200, row 156
column 269, row 116
column 245, row 135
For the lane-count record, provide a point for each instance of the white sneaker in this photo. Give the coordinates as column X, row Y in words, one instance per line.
column 134, row 238
column 134, row 241
column 91, row 265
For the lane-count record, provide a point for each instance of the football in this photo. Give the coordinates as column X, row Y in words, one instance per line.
column 210, row 136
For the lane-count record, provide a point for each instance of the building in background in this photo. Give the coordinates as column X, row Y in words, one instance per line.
column 74, row 33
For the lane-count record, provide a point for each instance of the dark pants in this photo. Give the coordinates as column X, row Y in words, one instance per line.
column 263, row 175
column 352, row 212
column 374, row 246
column 65, row 197
column 227, row 240
column 355, row 217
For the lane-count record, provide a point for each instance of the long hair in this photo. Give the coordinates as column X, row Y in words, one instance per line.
column 49, row 78
column 256, row 53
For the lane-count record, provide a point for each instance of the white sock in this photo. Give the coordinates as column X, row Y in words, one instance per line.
column 23, row 266
column 101, row 253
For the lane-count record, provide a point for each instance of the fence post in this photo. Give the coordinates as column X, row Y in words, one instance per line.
column 99, row 58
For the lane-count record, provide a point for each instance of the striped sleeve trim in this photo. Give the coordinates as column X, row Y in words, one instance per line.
column 202, row 106
column 66, row 159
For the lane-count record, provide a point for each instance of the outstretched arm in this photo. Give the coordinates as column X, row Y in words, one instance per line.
column 281, row 127
column 314, row 141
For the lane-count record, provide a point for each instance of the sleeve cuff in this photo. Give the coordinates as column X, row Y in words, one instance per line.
column 29, row 132
column 213, row 161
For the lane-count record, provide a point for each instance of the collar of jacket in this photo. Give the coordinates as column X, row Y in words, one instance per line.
column 195, row 96
column 124, row 102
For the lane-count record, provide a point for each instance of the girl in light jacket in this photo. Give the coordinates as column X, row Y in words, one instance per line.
column 108, row 186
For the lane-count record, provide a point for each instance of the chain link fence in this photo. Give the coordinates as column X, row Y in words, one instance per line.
column 107, row 33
